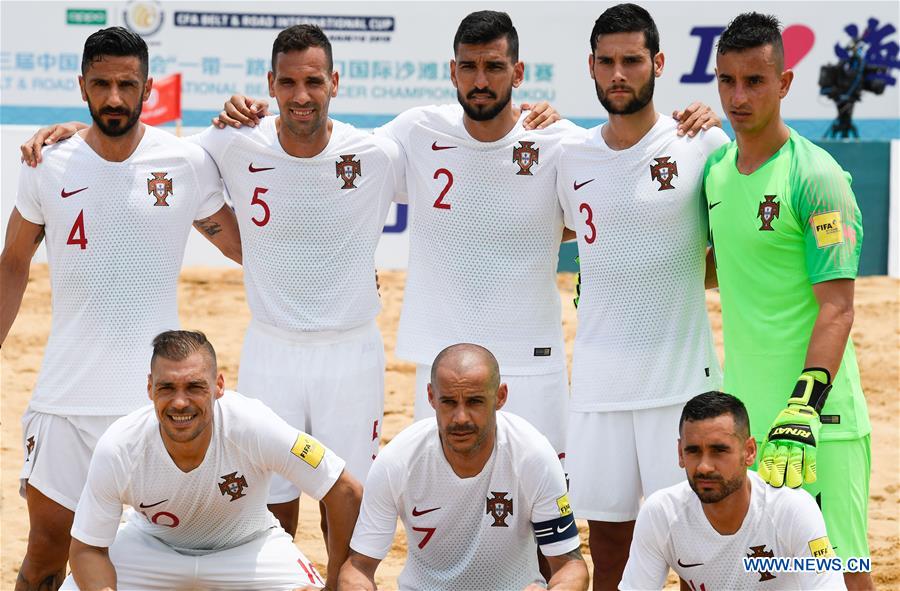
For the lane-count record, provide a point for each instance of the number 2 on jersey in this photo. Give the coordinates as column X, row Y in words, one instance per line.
column 257, row 201
column 76, row 234
column 589, row 221
column 439, row 202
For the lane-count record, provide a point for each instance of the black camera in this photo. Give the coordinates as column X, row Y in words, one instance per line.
column 844, row 83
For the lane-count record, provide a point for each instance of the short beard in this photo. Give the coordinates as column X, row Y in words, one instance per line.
column 729, row 487
column 485, row 112
column 641, row 100
column 115, row 130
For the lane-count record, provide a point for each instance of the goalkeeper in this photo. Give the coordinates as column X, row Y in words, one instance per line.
column 786, row 233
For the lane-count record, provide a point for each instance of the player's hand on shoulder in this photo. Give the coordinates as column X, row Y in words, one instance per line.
column 534, row 587
column 541, row 115
column 47, row 136
column 695, row 118
column 241, row 110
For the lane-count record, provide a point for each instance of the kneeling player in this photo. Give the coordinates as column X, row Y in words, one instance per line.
column 705, row 535
column 196, row 467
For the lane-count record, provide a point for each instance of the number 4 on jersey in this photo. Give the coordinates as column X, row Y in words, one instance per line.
column 76, row 234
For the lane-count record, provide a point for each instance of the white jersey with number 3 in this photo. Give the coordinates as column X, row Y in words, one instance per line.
column 219, row 504
column 309, row 226
column 467, row 533
column 672, row 531
column 643, row 337
column 485, row 227
column 115, row 236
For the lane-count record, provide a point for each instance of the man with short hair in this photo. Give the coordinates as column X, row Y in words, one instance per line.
column 787, row 233
column 644, row 343
column 115, row 204
column 195, row 466
column 477, row 491
column 705, row 529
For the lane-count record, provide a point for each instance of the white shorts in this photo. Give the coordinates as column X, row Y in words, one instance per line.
column 330, row 385
column 615, row 458
column 271, row 561
column 57, row 453
column 542, row 400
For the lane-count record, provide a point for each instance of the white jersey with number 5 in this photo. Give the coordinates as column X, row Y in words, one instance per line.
column 115, row 235
column 309, row 226
column 219, row 504
column 672, row 531
column 643, row 337
column 485, row 227
column 467, row 533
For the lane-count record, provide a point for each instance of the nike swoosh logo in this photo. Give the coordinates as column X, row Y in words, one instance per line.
column 253, row 169
column 711, row 205
column 65, row 194
column 560, row 530
column 576, row 185
column 143, row 506
column 436, row 147
column 416, row 512
column 682, row 565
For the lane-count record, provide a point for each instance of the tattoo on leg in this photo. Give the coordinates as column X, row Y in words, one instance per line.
column 50, row 583
column 209, row 227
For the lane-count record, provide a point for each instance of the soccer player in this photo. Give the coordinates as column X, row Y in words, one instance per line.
column 786, row 232
column 115, row 204
column 476, row 490
column 631, row 189
column 704, row 528
column 195, row 467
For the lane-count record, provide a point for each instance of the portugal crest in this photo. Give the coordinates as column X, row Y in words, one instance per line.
column 526, row 157
column 348, row 169
column 499, row 507
column 761, row 552
column 663, row 172
column 233, row 485
column 768, row 211
column 160, row 187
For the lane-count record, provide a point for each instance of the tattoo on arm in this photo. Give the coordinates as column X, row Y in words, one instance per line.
column 208, row 226
column 574, row 554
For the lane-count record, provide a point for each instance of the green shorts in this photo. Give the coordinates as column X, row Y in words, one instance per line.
column 841, row 490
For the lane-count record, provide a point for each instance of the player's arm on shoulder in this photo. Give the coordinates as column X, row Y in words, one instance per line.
column 47, row 136
column 647, row 566
column 696, row 117
column 91, row 567
column 22, row 240
column 540, row 116
column 358, row 573
column 241, row 110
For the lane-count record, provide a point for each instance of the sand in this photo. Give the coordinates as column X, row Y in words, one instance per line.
column 212, row 300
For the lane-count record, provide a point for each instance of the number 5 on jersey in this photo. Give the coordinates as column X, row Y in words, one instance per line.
column 265, row 206
column 76, row 234
column 439, row 202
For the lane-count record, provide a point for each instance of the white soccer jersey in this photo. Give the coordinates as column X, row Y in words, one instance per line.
column 485, row 227
column 309, row 226
column 217, row 505
column 672, row 531
column 115, row 235
column 643, row 336
column 467, row 533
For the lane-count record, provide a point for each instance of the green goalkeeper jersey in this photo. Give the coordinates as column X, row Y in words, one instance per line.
column 790, row 224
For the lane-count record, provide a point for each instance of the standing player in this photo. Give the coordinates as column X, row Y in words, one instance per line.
column 195, row 466
column 704, row 529
column 115, row 204
column 474, row 489
column 787, row 233
column 644, row 343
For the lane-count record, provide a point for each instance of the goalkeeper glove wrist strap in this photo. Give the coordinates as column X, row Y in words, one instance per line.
column 812, row 388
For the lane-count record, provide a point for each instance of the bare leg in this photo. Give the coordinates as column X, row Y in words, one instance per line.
column 287, row 515
column 610, row 543
column 859, row 582
column 44, row 565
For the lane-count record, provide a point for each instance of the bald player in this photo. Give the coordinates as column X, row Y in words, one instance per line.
column 477, row 490
column 115, row 204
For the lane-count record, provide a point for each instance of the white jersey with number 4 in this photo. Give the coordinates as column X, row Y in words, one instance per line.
column 115, row 235
column 219, row 504
column 672, row 531
column 467, row 533
column 309, row 226
column 643, row 337
column 485, row 227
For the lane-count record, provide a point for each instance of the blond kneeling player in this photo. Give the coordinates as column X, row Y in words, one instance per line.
column 196, row 467
column 477, row 491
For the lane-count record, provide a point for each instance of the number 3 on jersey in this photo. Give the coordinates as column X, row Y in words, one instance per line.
column 439, row 202
column 76, row 234
column 265, row 206
column 589, row 221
